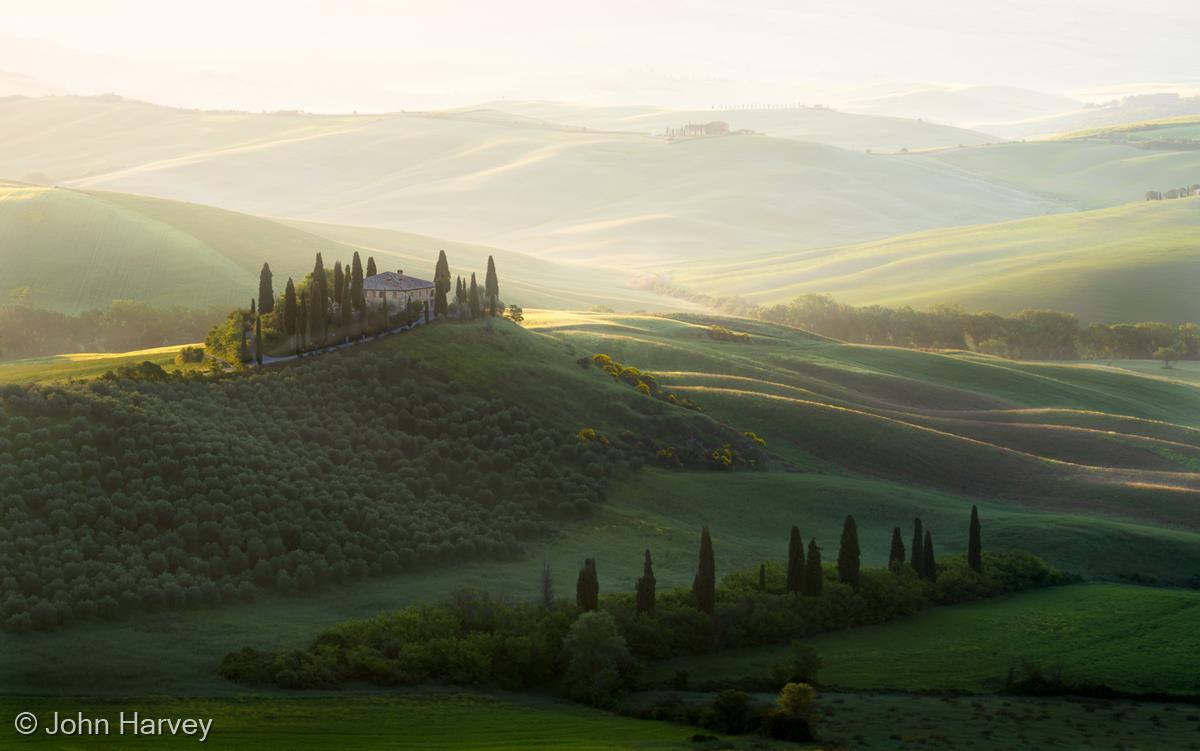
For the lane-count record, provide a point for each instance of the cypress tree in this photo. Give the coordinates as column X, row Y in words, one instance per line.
column 289, row 308
column 253, row 310
column 441, row 285
column 974, row 544
column 473, row 298
column 896, row 557
column 814, row 575
column 320, row 283
column 316, row 318
column 258, row 340
column 849, row 564
column 491, row 287
column 918, row 547
column 644, row 598
column 704, row 586
column 356, row 280
column 339, row 280
column 762, row 577
column 587, row 587
column 302, row 322
column 371, row 271
column 928, row 562
column 795, row 562
column 460, row 296
column 345, row 310
column 266, row 290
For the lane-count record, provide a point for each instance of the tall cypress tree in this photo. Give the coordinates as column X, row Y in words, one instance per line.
column 473, row 298
column 253, row 310
column 644, row 598
column 258, row 340
column 356, row 280
column 974, row 543
column 266, row 290
column 849, row 564
column 339, row 281
column 320, row 285
column 814, row 575
column 346, row 309
column 371, row 270
column 289, row 308
column 704, row 586
column 460, row 297
column 896, row 556
column 795, row 562
column 918, row 547
column 441, row 285
column 928, row 562
column 491, row 287
column 302, row 323
column 587, row 587
column 316, row 317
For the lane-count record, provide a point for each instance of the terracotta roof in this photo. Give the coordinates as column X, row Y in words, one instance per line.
column 390, row 280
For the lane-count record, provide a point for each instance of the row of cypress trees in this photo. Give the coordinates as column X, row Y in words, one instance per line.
column 804, row 572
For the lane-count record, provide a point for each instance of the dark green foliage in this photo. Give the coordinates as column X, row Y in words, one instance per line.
column 547, row 585
column 918, row 547
column 356, row 280
column 896, row 555
column 762, row 577
column 795, row 562
column 731, row 712
column 289, row 308
column 302, row 323
column 974, row 543
column 814, row 575
column 189, row 355
column 441, row 283
column 125, row 325
column 849, row 563
column 599, row 665
column 587, row 587
column 163, row 493
column 928, row 561
column 460, row 297
column 339, row 282
column 371, row 270
column 704, row 586
column 644, row 597
column 491, row 287
column 266, row 290
column 258, row 341
column 473, row 299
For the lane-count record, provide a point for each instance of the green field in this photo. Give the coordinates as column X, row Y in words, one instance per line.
column 82, row 365
column 1098, row 265
column 1086, row 630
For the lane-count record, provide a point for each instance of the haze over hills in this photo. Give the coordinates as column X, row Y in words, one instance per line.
column 968, row 106
column 1129, row 109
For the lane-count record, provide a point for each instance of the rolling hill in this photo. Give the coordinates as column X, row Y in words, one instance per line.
column 1130, row 109
column 968, row 106
column 1135, row 262
column 72, row 250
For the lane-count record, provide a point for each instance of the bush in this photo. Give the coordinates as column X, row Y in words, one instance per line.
column 731, row 712
column 794, row 716
column 599, row 665
column 189, row 355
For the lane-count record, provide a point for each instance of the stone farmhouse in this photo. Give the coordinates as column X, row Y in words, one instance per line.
column 398, row 289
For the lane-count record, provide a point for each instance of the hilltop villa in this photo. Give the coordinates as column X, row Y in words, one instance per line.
column 399, row 290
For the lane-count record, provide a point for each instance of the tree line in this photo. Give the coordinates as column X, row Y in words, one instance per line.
column 1028, row 335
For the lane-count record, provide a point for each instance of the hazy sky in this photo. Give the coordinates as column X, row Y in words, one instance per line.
column 371, row 55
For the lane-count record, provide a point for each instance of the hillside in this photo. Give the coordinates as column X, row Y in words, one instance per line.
column 91, row 248
column 1100, row 265
column 1130, row 109
column 496, row 179
column 968, row 106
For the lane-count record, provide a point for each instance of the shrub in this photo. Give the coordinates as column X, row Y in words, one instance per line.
column 731, row 712
column 599, row 665
column 794, row 716
column 188, row 355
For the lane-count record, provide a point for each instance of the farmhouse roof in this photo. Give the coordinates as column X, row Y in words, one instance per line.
column 393, row 281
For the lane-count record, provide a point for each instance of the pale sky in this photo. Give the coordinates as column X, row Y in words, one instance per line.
column 323, row 55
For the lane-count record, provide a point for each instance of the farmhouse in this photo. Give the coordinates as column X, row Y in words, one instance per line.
column 399, row 290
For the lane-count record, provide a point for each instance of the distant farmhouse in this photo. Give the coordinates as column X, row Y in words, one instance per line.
column 399, row 290
column 699, row 130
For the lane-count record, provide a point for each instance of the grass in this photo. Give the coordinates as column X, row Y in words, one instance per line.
column 1100, row 265
column 1133, row 639
column 82, row 364
column 429, row 719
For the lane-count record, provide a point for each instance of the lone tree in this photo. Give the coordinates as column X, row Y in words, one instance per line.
column 918, row 547
column 356, row 280
column 646, row 587
column 491, row 287
column 473, row 298
column 1167, row 355
column 704, row 586
column 547, row 585
column 849, row 565
column 795, row 562
column 441, row 285
column 266, row 291
column 974, row 544
column 289, row 308
column 587, row 587
column 258, row 340
column 896, row 556
column 928, row 562
column 814, row 577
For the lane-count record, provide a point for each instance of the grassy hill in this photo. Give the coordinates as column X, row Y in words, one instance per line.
column 1100, row 265
column 81, row 365
column 73, row 250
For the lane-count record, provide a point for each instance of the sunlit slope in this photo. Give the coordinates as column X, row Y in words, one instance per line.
column 842, row 129
column 1054, row 437
column 1137, row 262
column 493, row 178
column 82, row 365
column 74, row 250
